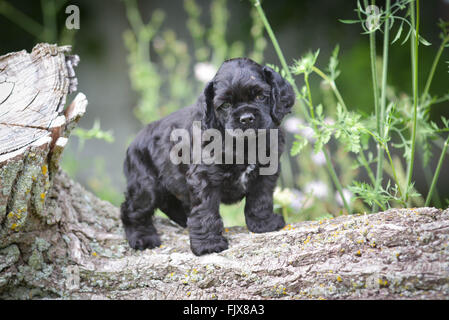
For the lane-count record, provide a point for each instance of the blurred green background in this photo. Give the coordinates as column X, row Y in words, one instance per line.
column 141, row 60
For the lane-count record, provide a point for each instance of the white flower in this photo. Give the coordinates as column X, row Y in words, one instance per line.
column 308, row 133
column 329, row 121
column 283, row 197
column 292, row 125
column 204, row 71
column 346, row 193
column 297, row 126
column 300, row 201
column 319, row 158
column 318, row 189
column 297, row 201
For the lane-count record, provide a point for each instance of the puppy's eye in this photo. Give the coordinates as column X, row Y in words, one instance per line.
column 260, row 97
column 225, row 105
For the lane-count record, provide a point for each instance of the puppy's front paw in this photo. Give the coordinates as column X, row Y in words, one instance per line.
column 205, row 246
column 141, row 241
column 274, row 222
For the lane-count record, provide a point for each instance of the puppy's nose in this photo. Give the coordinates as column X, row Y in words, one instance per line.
column 247, row 118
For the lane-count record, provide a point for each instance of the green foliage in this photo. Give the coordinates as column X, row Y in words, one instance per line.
column 394, row 124
column 94, row 133
column 101, row 184
column 233, row 214
column 48, row 30
column 299, row 144
column 371, row 196
column 167, row 86
column 305, row 64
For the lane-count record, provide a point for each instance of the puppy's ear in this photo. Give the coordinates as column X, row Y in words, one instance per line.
column 209, row 118
column 282, row 95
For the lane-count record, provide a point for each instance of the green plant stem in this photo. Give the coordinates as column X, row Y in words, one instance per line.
column 434, row 66
column 373, row 57
column 342, row 103
column 59, row 4
column 372, row 42
column 415, row 93
column 284, row 213
column 309, row 96
column 49, row 19
column 276, row 46
column 428, row 176
column 367, row 167
column 295, row 88
column 138, row 26
column 335, row 179
column 287, row 172
column 21, row 19
column 380, row 116
column 384, row 146
column 333, row 86
column 426, row 169
column 279, row 53
column 437, row 172
column 133, row 15
column 395, row 176
column 329, row 164
column 379, row 205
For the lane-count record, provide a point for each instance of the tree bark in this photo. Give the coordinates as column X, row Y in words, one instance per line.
column 397, row 254
column 69, row 244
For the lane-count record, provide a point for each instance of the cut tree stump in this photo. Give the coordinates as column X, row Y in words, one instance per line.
column 33, row 129
column 58, row 240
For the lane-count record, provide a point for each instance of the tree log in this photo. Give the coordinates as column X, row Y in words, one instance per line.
column 57, row 240
column 397, row 254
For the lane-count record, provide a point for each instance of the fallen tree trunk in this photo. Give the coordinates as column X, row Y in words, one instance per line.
column 69, row 244
column 397, row 254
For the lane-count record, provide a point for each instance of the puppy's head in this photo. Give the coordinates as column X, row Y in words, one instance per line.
column 245, row 95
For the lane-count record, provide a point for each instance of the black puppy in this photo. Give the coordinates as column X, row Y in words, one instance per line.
column 243, row 95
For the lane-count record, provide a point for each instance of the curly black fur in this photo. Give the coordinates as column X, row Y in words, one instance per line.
column 190, row 194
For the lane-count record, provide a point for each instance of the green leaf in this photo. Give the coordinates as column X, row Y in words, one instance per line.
column 407, row 36
column 424, row 41
column 348, row 21
column 305, row 64
column 298, row 145
column 333, row 63
column 324, row 135
column 319, row 111
column 324, row 216
column 398, row 34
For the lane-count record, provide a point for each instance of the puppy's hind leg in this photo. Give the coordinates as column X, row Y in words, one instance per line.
column 136, row 213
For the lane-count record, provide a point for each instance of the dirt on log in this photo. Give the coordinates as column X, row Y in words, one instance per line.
column 59, row 241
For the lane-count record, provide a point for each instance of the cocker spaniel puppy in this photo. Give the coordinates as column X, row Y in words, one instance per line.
column 188, row 178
